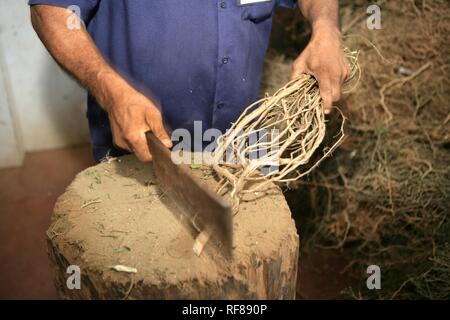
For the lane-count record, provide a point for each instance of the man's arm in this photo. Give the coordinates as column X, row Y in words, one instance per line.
column 131, row 114
column 323, row 57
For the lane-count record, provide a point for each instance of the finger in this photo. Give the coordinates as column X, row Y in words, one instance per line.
column 122, row 144
column 325, row 93
column 345, row 72
column 298, row 68
column 336, row 90
column 139, row 146
column 118, row 139
column 154, row 121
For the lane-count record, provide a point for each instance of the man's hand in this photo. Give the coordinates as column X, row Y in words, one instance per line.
column 323, row 57
column 131, row 116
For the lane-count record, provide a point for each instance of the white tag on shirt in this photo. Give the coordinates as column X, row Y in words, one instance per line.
column 245, row 2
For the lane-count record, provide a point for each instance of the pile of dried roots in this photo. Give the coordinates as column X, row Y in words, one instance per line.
column 384, row 198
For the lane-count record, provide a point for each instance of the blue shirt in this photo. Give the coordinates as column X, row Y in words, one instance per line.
column 200, row 60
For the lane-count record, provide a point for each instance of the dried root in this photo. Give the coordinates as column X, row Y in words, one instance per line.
column 276, row 136
column 384, row 198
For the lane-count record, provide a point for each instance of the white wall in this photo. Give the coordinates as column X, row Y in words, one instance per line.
column 50, row 107
column 11, row 152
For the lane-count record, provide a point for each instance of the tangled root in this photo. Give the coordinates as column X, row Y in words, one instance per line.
column 275, row 136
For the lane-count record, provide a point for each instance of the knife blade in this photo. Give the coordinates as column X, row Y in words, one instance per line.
column 202, row 206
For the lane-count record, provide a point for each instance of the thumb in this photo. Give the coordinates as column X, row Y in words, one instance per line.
column 155, row 123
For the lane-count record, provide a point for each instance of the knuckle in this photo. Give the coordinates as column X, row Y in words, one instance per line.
column 325, row 94
column 323, row 76
column 328, row 97
column 140, row 156
column 154, row 115
column 116, row 140
column 143, row 154
column 297, row 64
column 324, row 86
column 117, row 143
column 336, row 77
column 317, row 68
column 131, row 137
column 335, row 72
column 121, row 145
column 314, row 63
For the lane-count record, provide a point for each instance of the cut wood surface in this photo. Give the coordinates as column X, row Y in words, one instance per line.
column 131, row 242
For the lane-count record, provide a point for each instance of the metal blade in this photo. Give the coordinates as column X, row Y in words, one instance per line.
column 203, row 207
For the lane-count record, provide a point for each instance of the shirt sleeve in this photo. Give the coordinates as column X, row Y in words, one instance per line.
column 291, row 4
column 86, row 7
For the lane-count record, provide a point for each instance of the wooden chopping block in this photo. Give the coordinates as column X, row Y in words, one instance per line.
column 129, row 241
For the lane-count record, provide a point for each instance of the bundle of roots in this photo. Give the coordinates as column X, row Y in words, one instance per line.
column 276, row 137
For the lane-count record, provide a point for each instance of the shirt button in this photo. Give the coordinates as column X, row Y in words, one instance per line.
column 220, row 105
column 223, row 4
column 225, row 60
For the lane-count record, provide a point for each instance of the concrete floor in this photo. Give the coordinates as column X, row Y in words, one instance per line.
column 27, row 196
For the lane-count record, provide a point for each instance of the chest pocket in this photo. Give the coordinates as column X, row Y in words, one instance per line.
column 258, row 12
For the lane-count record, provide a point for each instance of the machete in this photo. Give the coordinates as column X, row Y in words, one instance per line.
column 209, row 213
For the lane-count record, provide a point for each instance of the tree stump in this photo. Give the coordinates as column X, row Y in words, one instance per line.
column 114, row 216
